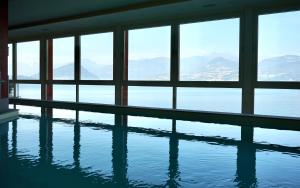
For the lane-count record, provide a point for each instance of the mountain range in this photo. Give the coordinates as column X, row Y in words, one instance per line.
column 208, row 68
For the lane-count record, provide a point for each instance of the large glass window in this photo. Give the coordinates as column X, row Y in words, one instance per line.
column 279, row 47
column 28, row 91
column 63, row 58
column 206, row 54
column 28, row 60
column 280, row 102
column 209, row 99
column 97, row 94
column 64, row 93
column 150, row 96
column 97, row 56
column 149, row 54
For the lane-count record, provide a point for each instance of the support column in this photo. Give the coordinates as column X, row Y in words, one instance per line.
column 248, row 66
column 14, row 71
column 43, row 71
column 49, row 75
column 77, row 69
column 120, row 72
column 174, row 66
column 4, row 53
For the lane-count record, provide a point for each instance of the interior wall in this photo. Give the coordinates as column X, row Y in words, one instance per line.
column 3, row 54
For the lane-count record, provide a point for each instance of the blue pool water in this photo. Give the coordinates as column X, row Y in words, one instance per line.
column 44, row 152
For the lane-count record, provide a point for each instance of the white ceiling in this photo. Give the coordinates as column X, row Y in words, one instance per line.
column 34, row 18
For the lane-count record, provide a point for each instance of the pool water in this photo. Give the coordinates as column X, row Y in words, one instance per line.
column 53, row 152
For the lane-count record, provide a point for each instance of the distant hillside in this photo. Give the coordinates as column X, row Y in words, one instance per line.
column 205, row 68
column 283, row 68
column 67, row 71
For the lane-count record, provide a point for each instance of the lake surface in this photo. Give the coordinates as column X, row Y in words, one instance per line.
column 280, row 102
column 60, row 152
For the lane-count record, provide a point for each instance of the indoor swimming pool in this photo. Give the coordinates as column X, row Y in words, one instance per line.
column 90, row 151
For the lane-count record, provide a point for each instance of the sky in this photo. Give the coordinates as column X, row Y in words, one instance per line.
column 279, row 34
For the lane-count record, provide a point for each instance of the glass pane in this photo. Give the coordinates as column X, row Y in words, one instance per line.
column 281, row 102
column 29, row 91
column 63, row 58
column 97, row 57
column 206, row 54
column 279, row 47
column 209, row 99
column 9, row 59
column 28, row 60
column 150, row 96
column 149, row 54
column 97, row 94
column 64, row 93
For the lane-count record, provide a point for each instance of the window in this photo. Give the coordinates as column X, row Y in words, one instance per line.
column 280, row 102
column 28, row 91
column 150, row 96
column 64, row 93
column 28, row 60
column 97, row 94
column 279, row 47
column 210, row 99
column 149, row 54
column 63, row 58
column 97, row 57
column 206, row 54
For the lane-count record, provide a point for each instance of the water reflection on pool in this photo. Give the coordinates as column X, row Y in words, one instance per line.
column 44, row 152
